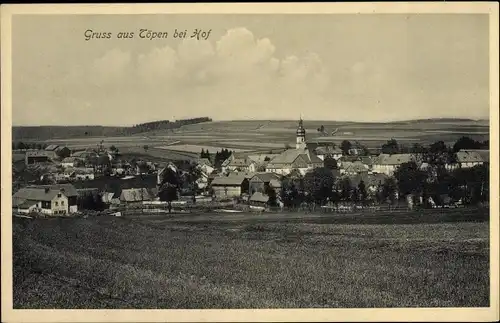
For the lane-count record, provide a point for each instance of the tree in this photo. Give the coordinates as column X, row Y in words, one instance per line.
column 191, row 176
column 362, row 192
column 410, row 179
column 113, row 148
column 330, row 162
column 345, row 146
column 169, row 187
column 345, row 188
column 465, row 143
column 389, row 189
column 319, row 183
column 271, row 193
column 391, row 147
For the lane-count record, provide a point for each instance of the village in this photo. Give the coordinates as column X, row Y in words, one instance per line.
column 312, row 175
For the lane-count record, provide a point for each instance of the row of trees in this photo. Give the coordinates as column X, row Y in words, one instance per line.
column 471, row 185
column 393, row 147
column 164, row 125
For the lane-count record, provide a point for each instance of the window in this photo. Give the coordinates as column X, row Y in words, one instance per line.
column 58, row 195
column 62, row 202
column 57, row 204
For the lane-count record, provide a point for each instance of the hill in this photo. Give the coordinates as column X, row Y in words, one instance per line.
column 55, row 132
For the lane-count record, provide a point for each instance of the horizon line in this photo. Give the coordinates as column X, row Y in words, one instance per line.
column 249, row 119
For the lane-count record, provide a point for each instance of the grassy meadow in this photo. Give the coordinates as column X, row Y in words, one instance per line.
column 437, row 258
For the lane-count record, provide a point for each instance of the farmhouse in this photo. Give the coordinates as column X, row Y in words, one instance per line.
column 47, row 199
column 471, row 158
column 229, row 186
column 134, row 196
column 259, row 182
column 387, row 164
column 37, row 156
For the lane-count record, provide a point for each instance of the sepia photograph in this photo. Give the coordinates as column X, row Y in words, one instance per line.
column 266, row 159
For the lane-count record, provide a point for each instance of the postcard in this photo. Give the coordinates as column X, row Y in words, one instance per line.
column 250, row 162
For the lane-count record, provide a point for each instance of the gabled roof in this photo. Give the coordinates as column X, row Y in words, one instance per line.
column 135, row 195
column 473, row 155
column 38, row 153
column 394, row 159
column 264, row 177
column 259, row 197
column 35, row 194
column 26, row 204
column 354, row 167
column 290, row 155
column 235, row 180
column 325, row 150
column 68, row 189
column 261, row 158
column 51, row 147
column 204, row 161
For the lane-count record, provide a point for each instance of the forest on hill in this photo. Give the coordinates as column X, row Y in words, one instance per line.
column 54, row 132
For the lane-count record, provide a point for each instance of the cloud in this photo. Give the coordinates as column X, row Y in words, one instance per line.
column 111, row 67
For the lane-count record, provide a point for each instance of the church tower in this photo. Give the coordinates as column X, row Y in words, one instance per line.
column 301, row 136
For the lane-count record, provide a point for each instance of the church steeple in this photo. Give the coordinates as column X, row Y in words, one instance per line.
column 301, row 135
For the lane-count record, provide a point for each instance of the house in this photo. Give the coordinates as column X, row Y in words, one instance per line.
column 229, row 186
column 47, row 199
column 258, row 199
column 205, row 165
column 387, row 164
column 353, row 168
column 328, row 151
column 238, row 162
column 71, row 162
column 260, row 181
column 260, row 161
column 51, row 151
column 135, row 196
column 472, row 157
column 37, row 156
column 84, row 173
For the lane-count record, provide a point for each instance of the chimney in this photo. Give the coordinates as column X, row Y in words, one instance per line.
column 47, row 189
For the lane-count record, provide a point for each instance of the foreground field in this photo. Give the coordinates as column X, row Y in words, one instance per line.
column 252, row 261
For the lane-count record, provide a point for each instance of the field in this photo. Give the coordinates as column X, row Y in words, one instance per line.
column 253, row 135
column 437, row 258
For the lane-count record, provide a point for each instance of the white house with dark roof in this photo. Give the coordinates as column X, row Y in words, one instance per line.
column 472, row 157
column 387, row 163
column 47, row 199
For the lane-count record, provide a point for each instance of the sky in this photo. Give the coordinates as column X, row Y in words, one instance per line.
column 356, row 67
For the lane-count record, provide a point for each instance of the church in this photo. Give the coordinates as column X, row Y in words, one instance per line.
column 301, row 158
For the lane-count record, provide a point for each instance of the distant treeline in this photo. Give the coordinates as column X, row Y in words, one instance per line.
column 52, row 132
